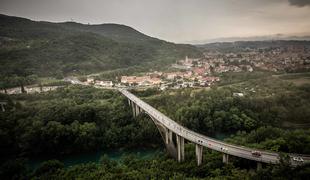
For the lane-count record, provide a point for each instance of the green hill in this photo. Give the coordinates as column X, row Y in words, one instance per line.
column 48, row 49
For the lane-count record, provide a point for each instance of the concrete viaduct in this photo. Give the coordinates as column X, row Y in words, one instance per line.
column 168, row 128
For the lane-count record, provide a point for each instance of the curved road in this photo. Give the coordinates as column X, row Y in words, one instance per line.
column 238, row 151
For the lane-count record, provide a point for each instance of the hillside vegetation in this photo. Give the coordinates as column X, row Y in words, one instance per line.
column 49, row 49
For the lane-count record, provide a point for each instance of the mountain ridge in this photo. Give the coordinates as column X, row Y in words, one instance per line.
column 46, row 49
column 276, row 37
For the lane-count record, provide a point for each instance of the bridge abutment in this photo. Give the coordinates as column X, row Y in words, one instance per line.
column 199, row 150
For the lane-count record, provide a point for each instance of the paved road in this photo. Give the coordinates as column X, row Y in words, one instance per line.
column 239, row 151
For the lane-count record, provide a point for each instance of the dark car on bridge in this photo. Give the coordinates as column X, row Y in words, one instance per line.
column 256, row 153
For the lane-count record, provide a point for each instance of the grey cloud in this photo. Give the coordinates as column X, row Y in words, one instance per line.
column 299, row 3
column 175, row 20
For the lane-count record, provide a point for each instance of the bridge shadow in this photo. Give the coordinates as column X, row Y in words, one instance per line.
column 171, row 145
column 161, row 131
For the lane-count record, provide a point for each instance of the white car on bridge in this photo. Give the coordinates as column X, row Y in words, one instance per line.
column 298, row 159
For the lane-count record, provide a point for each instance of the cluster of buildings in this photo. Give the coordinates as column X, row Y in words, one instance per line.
column 201, row 72
column 283, row 59
column 189, row 76
column 177, row 79
column 140, row 80
column 212, row 63
column 29, row 89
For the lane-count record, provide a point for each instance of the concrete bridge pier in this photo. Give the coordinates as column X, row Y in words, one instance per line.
column 2, row 106
column 180, row 148
column 225, row 158
column 129, row 102
column 138, row 110
column 259, row 166
column 199, row 149
column 134, row 109
column 168, row 136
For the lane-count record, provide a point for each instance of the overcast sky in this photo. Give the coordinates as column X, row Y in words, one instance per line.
column 175, row 20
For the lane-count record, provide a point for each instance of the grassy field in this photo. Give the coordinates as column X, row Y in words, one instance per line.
column 264, row 83
column 290, row 88
column 297, row 78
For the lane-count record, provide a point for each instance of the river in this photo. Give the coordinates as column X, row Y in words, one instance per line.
column 115, row 155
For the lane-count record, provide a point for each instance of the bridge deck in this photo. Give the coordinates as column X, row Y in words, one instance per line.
column 239, row 151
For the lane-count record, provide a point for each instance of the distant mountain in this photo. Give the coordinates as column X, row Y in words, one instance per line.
column 46, row 49
column 239, row 46
column 253, row 38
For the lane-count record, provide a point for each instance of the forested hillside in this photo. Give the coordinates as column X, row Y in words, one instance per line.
column 48, row 49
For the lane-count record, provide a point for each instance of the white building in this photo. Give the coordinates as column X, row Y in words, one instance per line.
column 104, row 83
column 238, row 94
column 90, row 80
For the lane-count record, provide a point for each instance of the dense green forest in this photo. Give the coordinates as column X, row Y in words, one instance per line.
column 160, row 167
column 58, row 49
column 70, row 120
column 76, row 119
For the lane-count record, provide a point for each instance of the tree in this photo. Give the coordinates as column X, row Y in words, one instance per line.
column 48, row 167
column 13, row 169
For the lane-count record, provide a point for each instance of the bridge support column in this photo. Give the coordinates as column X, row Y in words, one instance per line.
column 168, row 136
column 129, row 102
column 225, row 158
column 140, row 110
column 199, row 149
column 2, row 107
column 259, row 166
column 137, row 110
column 180, row 147
column 133, row 106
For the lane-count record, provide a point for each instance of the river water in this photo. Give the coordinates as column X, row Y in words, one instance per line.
column 115, row 155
